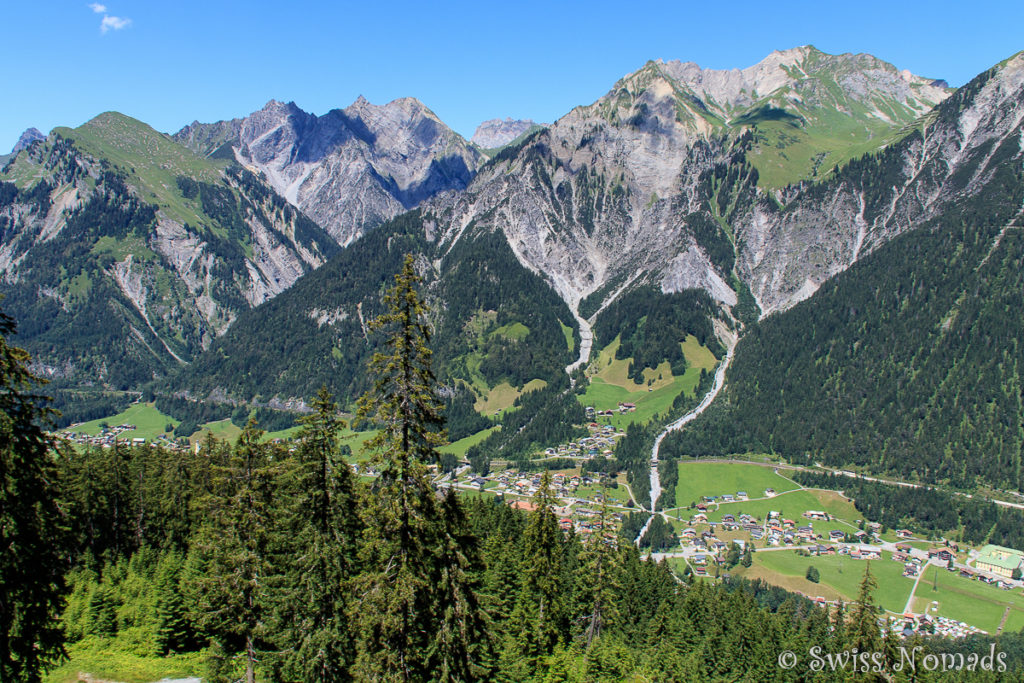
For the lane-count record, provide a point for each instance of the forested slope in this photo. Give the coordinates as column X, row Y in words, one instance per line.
column 908, row 363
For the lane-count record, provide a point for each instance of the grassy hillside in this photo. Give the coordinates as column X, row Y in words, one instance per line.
column 697, row 479
column 610, row 383
column 151, row 158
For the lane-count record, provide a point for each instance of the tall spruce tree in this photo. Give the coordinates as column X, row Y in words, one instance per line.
column 539, row 621
column 233, row 549
column 601, row 562
column 314, row 629
column 863, row 634
column 31, row 525
column 403, row 597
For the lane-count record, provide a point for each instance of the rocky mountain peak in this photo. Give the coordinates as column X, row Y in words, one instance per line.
column 499, row 132
column 27, row 138
column 349, row 169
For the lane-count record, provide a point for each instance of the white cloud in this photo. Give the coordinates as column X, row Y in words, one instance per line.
column 114, row 23
column 98, row 8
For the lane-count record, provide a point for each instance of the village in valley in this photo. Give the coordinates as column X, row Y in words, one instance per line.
column 736, row 519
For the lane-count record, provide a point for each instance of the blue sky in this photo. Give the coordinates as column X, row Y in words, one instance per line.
column 170, row 63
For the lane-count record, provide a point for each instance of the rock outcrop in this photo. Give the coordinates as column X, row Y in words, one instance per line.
column 500, row 132
column 351, row 168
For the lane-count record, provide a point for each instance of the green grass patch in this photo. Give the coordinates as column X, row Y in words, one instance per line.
column 222, row 430
column 792, row 506
column 617, row 495
column 149, row 422
column 517, row 331
column 152, row 158
column 786, row 153
column 504, row 395
column 105, row 661
column 699, row 479
column 968, row 600
column 357, row 442
column 459, row 448
column 838, row 572
column 570, row 339
column 611, row 385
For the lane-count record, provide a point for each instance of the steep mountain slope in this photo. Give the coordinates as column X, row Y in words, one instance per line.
column 910, row 361
column 789, row 246
column 499, row 330
column 654, row 182
column 350, row 169
column 123, row 254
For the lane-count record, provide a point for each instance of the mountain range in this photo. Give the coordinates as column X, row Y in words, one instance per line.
column 238, row 261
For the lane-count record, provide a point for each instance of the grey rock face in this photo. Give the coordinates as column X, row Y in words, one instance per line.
column 498, row 133
column 621, row 192
column 350, row 169
column 789, row 251
column 26, row 139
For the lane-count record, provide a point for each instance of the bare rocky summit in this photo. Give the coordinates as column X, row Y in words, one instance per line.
column 499, row 132
column 27, row 138
column 351, row 168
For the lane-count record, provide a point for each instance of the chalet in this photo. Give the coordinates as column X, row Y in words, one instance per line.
column 700, row 571
column 627, row 407
column 700, row 559
column 728, row 498
column 941, row 554
column 700, row 517
column 741, row 495
column 836, row 535
column 899, row 557
column 903, row 533
column 728, row 518
column 864, row 553
column 769, row 492
column 816, row 514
